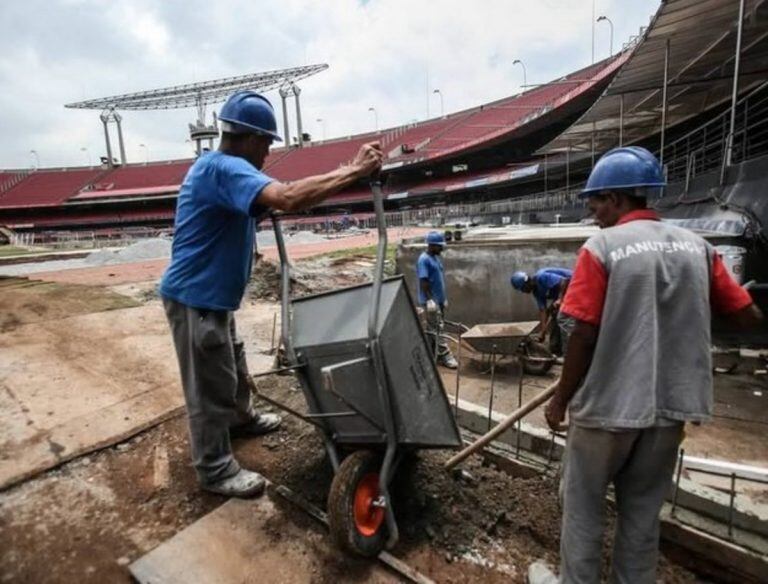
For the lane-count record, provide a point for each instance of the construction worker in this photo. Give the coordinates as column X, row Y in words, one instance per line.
column 638, row 367
column 432, row 296
column 548, row 286
column 221, row 197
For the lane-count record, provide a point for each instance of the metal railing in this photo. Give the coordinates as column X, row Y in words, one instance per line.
column 706, row 148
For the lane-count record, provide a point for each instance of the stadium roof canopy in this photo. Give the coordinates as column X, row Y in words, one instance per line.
column 699, row 39
column 199, row 94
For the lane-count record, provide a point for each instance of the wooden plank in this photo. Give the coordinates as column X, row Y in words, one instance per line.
column 406, row 571
column 250, row 541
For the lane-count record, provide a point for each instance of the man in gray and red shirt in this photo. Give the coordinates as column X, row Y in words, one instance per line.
column 638, row 367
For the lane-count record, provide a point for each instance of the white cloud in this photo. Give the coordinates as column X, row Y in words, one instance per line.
column 380, row 53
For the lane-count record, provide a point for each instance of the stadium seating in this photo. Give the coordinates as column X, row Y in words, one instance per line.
column 410, row 143
column 47, row 187
column 150, row 175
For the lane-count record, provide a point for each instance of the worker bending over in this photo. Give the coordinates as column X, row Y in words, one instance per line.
column 432, row 296
column 638, row 367
column 548, row 286
column 222, row 195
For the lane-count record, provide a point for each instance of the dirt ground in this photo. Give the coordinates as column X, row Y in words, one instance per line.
column 153, row 269
column 121, row 502
column 86, row 520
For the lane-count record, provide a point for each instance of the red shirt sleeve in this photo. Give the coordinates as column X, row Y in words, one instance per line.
column 726, row 295
column 585, row 297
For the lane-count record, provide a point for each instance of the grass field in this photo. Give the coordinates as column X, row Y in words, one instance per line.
column 12, row 250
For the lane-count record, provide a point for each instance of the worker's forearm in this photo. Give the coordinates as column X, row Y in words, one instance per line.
column 542, row 320
column 425, row 288
column 307, row 192
column 581, row 347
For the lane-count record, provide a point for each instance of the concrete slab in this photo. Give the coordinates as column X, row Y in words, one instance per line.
column 69, row 386
column 72, row 385
column 248, row 542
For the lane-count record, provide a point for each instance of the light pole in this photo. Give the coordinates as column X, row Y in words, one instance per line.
column 321, row 121
column 88, row 154
column 525, row 77
column 375, row 117
column 37, row 158
column 146, row 153
column 440, row 93
column 608, row 20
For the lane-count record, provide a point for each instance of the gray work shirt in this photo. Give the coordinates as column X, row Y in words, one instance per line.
column 652, row 363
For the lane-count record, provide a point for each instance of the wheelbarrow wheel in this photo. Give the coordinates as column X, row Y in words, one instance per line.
column 356, row 524
column 542, row 359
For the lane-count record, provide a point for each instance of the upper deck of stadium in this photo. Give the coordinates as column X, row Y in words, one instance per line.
column 406, row 147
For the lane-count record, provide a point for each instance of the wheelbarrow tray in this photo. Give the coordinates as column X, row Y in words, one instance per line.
column 505, row 336
column 331, row 330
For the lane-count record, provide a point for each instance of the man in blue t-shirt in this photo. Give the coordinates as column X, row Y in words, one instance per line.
column 220, row 201
column 548, row 286
column 432, row 297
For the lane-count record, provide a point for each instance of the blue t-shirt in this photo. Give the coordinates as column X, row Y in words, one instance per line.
column 212, row 248
column 548, row 284
column 431, row 268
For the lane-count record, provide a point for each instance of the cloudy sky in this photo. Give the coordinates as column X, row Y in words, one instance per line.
column 387, row 54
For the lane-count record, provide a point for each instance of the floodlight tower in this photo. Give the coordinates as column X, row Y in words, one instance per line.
column 109, row 114
column 199, row 96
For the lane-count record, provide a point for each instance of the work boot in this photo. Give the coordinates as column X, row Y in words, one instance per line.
column 449, row 361
column 260, row 425
column 540, row 573
column 244, row 484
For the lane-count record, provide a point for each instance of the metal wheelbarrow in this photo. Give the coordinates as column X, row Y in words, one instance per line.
column 511, row 339
column 372, row 391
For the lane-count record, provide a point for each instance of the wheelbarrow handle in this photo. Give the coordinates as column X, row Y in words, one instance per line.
column 381, row 252
column 285, row 289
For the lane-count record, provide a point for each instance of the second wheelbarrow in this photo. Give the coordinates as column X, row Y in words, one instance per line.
column 511, row 339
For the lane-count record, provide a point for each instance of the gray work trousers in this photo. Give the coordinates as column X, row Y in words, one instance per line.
column 433, row 327
column 215, row 379
column 640, row 464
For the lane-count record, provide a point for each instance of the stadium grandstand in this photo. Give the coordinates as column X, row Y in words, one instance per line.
column 691, row 87
column 471, row 145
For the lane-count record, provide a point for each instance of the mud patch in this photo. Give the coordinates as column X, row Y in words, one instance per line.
column 24, row 301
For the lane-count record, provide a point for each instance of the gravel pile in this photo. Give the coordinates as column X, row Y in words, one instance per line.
column 267, row 238
column 147, row 249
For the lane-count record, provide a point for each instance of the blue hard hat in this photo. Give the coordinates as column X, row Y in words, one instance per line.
column 249, row 112
column 435, row 238
column 518, row 280
column 624, row 168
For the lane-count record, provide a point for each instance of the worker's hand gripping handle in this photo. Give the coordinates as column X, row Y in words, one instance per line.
column 381, row 252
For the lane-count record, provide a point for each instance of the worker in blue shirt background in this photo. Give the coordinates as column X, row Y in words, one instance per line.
column 432, row 296
column 548, row 286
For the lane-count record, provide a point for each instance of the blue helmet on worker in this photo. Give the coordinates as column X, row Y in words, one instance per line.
column 627, row 168
column 248, row 112
column 435, row 238
column 518, row 280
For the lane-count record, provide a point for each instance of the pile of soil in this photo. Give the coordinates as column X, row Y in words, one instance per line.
column 310, row 276
column 478, row 516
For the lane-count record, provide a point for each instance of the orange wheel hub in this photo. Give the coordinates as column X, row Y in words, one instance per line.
column 368, row 517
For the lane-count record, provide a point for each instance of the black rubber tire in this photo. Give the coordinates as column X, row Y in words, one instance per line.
column 341, row 501
column 538, row 350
